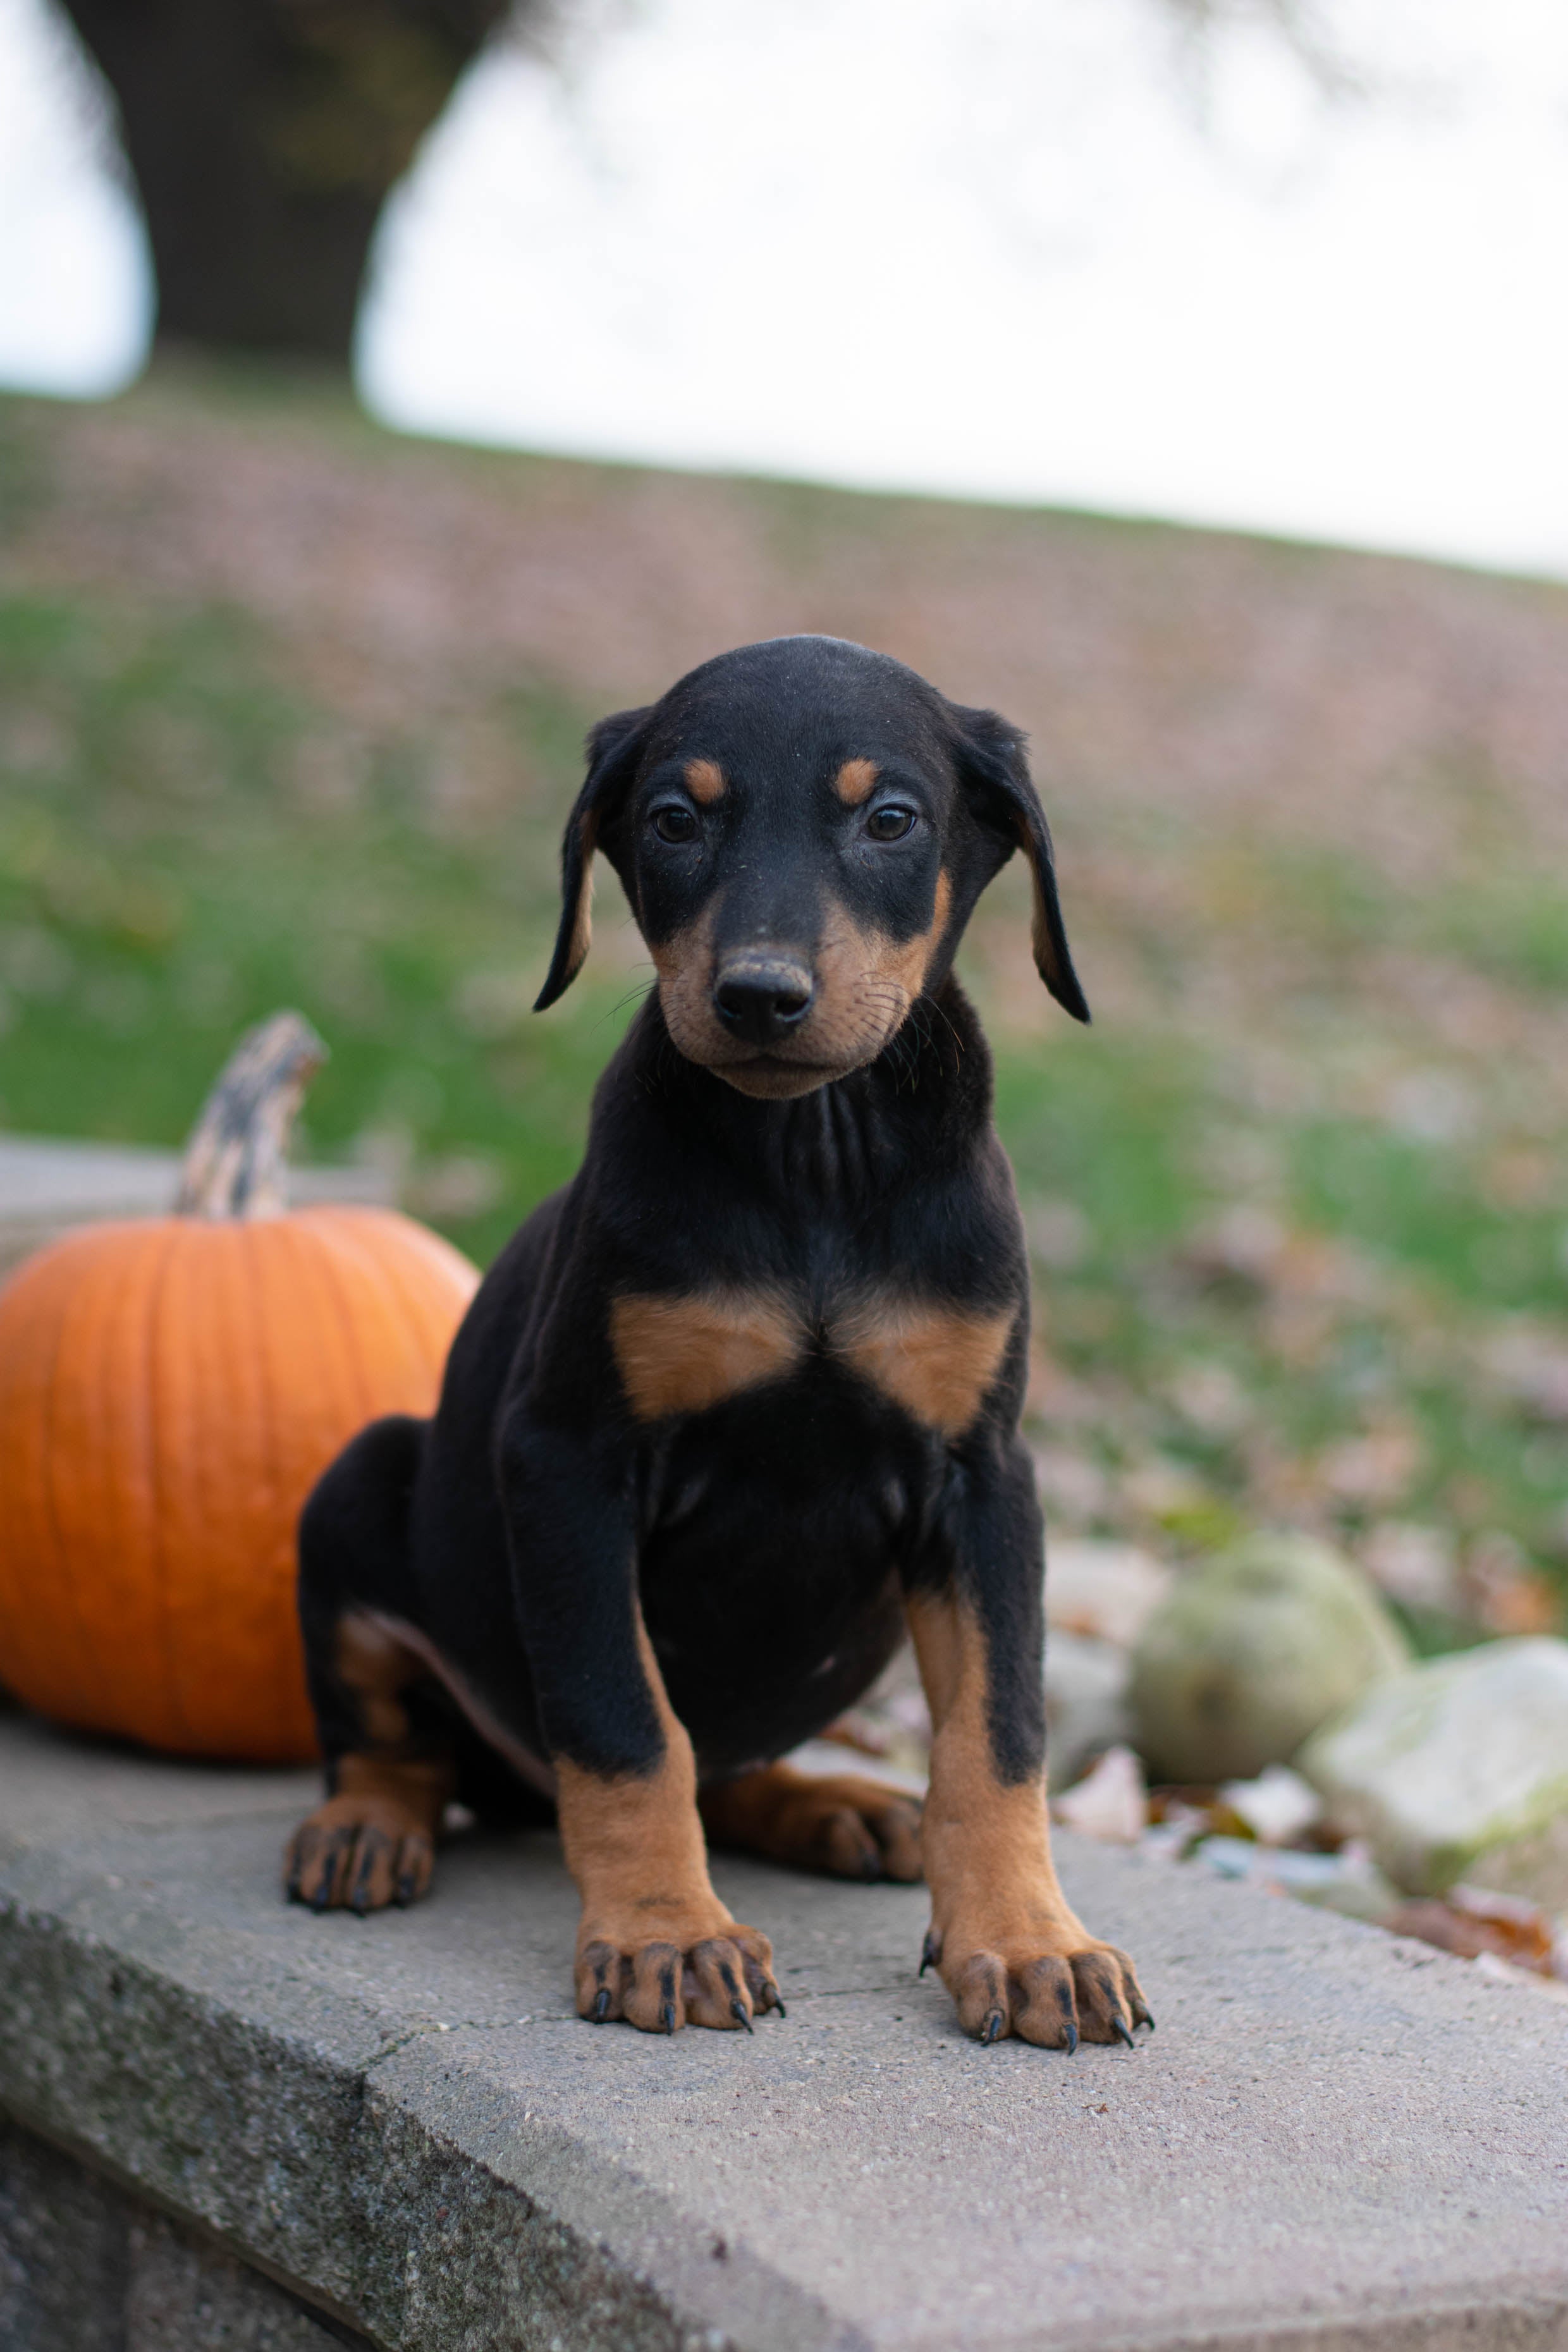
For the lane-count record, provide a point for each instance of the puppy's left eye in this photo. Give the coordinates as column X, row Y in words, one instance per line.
column 891, row 822
column 674, row 823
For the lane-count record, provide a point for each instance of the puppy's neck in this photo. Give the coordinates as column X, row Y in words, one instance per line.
column 918, row 1106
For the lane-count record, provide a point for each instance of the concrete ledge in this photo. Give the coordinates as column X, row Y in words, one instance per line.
column 1335, row 2139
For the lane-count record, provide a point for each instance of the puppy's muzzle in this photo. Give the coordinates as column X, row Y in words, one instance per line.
column 762, row 999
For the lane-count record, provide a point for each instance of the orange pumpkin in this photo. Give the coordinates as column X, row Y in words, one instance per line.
column 170, row 1390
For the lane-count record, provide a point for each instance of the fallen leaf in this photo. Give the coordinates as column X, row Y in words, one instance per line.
column 1472, row 1922
column 1110, row 1802
column 1510, row 1972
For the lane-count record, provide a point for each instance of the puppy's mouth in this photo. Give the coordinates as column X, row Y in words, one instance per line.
column 776, row 1076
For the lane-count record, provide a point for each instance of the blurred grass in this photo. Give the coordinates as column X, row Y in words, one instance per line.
column 183, row 847
column 196, row 830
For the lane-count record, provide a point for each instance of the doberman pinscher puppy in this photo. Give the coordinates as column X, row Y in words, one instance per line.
column 741, row 1403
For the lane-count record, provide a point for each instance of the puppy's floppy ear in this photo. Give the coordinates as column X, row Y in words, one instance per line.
column 613, row 748
column 996, row 776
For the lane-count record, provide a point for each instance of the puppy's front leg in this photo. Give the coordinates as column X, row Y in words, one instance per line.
column 655, row 1945
column 1006, row 1943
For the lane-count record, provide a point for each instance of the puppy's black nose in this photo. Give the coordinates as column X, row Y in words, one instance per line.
column 761, row 998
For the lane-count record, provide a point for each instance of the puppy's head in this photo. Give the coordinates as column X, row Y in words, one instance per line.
column 803, row 828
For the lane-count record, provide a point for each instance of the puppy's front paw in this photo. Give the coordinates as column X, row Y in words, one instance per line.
column 1054, row 1989
column 699, row 1972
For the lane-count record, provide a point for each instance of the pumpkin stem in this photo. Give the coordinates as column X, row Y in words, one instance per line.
column 234, row 1164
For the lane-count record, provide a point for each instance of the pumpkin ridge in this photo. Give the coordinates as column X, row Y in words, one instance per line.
column 16, row 1625
column 321, row 1308
column 173, row 1697
column 329, row 1282
column 87, row 1649
column 270, row 1449
column 288, row 1674
column 340, row 1235
column 313, row 1378
column 437, row 1257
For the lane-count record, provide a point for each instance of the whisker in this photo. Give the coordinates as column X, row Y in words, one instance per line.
column 639, row 995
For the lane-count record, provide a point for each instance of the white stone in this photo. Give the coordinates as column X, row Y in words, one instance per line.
column 1250, row 1652
column 1457, row 1769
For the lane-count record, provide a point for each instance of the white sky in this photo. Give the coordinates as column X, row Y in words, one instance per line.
column 977, row 245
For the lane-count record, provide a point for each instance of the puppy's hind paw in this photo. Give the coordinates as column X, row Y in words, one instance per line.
column 839, row 1822
column 359, row 1853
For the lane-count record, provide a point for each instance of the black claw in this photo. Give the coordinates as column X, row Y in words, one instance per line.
column 991, row 2029
column 772, row 1998
column 1124, row 2030
column 667, row 2017
column 375, row 1845
column 741, row 2014
column 328, row 1880
column 930, row 1952
column 601, row 2007
column 1070, row 2044
column 407, row 1888
column 332, row 1855
column 1142, row 2017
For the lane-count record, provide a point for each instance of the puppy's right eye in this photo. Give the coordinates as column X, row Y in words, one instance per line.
column 674, row 823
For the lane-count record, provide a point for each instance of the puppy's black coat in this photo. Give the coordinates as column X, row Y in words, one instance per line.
column 741, row 1403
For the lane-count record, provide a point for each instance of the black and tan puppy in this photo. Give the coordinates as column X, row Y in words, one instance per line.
column 741, row 1403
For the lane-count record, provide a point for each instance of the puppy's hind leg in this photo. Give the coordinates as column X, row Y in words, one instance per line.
column 389, row 1771
column 837, row 1822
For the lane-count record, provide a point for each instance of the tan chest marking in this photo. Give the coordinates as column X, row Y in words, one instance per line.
column 936, row 1361
column 687, row 1354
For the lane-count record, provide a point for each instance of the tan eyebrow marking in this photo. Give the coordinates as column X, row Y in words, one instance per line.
column 705, row 781
column 854, row 782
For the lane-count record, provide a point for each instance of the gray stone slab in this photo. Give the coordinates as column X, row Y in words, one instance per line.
column 183, row 2295
column 65, row 2252
column 1335, row 2138
column 85, row 2268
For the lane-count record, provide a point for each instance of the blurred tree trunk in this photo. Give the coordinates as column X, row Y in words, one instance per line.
column 264, row 136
